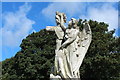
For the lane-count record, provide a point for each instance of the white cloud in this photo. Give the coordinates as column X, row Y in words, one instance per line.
column 69, row 9
column 106, row 13
column 103, row 12
column 16, row 26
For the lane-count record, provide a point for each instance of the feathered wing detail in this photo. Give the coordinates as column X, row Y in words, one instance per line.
column 84, row 41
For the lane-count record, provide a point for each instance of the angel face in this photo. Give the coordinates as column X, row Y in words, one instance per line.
column 73, row 23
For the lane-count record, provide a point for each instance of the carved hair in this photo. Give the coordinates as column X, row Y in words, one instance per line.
column 73, row 23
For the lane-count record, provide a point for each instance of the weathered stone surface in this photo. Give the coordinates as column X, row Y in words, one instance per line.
column 71, row 47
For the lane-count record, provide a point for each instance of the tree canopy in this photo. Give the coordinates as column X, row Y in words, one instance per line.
column 36, row 57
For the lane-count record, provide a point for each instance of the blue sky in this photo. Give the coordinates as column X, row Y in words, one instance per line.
column 20, row 19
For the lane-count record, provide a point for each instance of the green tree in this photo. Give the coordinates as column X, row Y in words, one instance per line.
column 103, row 57
column 36, row 57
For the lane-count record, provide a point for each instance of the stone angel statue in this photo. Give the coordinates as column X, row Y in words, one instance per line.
column 71, row 47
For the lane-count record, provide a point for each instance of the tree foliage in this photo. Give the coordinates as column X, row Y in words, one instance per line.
column 36, row 57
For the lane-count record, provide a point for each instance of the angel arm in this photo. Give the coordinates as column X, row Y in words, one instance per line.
column 63, row 27
column 69, row 40
column 50, row 28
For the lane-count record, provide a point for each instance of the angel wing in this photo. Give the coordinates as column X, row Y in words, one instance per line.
column 83, row 44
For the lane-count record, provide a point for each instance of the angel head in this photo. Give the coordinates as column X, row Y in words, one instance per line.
column 73, row 23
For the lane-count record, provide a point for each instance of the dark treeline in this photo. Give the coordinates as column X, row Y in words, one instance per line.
column 36, row 57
